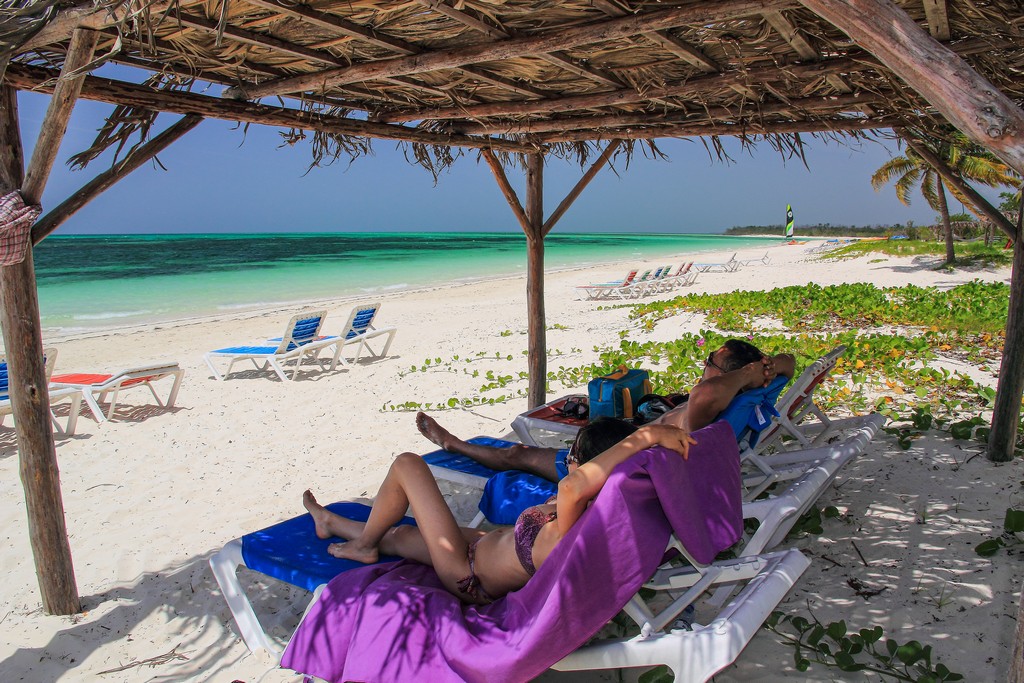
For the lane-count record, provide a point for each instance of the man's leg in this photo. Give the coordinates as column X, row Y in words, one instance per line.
column 532, row 459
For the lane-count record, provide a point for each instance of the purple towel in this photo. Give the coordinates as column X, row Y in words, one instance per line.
column 395, row 622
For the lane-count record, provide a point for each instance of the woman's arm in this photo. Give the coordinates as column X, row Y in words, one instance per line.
column 576, row 490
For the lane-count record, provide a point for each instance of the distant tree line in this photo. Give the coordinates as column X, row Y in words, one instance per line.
column 820, row 230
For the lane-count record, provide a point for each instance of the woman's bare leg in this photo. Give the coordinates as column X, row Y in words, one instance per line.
column 410, row 484
column 404, row 541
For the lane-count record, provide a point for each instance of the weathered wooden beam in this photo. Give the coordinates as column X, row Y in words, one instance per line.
column 261, row 40
column 553, row 40
column 518, row 87
column 12, row 170
column 55, row 123
column 337, row 24
column 736, row 129
column 683, row 50
column 943, row 169
column 91, row 16
column 936, row 13
column 691, row 88
column 790, row 34
column 507, row 190
column 355, row 30
column 967, row 100
column 811, row 105
column 23, row 342
column 103, row 181
column 536, row 324
column 498, row 33
column 1006, row 411
column 158, row 66
column 574, row 193
column 178, row 102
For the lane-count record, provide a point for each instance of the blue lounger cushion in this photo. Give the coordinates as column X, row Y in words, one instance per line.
column 507, row 494
column 241, row 350
column 291, row 552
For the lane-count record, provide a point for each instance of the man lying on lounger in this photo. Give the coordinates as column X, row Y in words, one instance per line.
column 731, row 369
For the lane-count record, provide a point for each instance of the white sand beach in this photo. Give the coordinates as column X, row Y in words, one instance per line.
column 150, row 496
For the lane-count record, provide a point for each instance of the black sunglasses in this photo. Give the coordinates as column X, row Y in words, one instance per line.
column 711, row 361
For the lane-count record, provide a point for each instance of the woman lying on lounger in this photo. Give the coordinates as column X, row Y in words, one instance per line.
column 477, row 566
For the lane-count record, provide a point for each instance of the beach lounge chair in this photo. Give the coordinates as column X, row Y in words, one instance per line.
column 639, row 287
column 681, row 277
column 727, row 267
column 798, row 402
column 96, row 387
column 359, row 330
column 301, row 340
column 352, row 630
column 56, row 395
column 604, row 290
column 288, row 551
column 763, row 261
column 532, row 426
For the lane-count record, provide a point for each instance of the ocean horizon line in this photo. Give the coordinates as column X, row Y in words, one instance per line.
column 311, row 233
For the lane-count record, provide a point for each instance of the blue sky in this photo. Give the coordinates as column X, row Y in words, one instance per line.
column 221, row 178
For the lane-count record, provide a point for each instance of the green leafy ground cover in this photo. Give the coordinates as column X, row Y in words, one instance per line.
column 968, row 254
column 895, row 339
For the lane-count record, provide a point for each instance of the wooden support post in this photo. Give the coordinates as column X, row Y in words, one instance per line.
column 66, row 209
column 19, row 318
column 537, row 334
column 967, row 99
column 579, row 187
column 1006, row 412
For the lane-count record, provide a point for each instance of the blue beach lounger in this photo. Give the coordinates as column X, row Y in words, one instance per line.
column 300, row 340
column 359, row 330
column 288, row 551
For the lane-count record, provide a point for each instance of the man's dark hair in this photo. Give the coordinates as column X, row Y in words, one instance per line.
column 740, row 353
column 600, row 435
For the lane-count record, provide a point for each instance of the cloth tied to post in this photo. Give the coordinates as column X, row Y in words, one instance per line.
column 16, row 220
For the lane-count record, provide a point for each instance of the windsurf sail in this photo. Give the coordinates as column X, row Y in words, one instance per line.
column 789, row 221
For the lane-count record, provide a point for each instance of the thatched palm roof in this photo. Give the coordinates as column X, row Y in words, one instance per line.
column 520, row 75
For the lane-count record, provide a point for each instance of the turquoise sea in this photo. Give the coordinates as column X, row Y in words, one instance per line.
column 91, row 282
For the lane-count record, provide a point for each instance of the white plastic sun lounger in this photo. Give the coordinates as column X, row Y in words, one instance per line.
column 729, row 266
column 695, row 655
column 301, row 340
column 359, row 330
column 96, row 387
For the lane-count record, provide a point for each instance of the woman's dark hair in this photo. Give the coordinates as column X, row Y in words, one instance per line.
column 600, row 435
column 740, row 353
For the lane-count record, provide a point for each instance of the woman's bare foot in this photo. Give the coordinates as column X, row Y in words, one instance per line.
column 321, row 515
column 434, row 432
column 351, row 551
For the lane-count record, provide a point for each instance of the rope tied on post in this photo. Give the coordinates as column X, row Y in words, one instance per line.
column 16, row 219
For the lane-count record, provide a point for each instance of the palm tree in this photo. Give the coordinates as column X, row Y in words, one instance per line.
column 965, row 158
